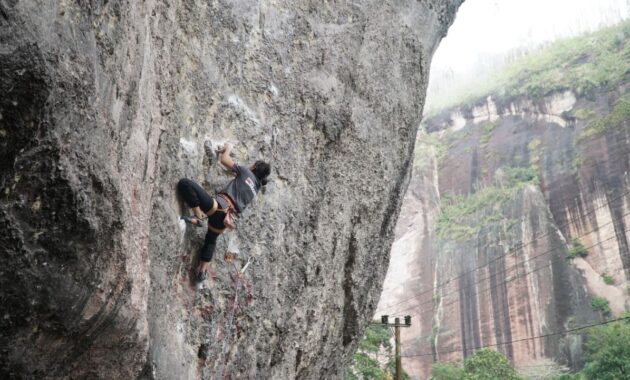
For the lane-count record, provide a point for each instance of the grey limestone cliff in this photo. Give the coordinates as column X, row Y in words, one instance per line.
column 106, row 104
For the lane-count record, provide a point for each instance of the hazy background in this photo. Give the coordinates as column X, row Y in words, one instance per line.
column 487, row 33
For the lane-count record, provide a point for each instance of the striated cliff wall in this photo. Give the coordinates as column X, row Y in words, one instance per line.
column 106, row 104
column 483, row 247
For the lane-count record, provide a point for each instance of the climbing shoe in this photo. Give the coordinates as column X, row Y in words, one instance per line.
column 192, row 220
column 201, row 276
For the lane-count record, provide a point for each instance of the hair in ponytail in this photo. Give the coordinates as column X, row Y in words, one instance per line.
column 262, row 171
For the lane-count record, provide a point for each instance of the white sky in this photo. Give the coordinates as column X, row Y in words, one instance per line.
column 492, row 27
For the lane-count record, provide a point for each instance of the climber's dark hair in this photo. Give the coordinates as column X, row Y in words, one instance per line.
column 261, row 171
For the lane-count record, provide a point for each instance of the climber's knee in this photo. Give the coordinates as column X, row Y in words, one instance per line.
column 182, row 185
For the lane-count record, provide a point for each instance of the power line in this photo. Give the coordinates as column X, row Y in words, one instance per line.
column 513, row 250
column 517, row 276
column 522, row 339
column 558, row 200
column 515, row 266
column 505, row 310
column 503, row 271
column 557, row 365
column 572, row 220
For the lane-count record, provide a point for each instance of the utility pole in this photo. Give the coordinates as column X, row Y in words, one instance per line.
column 397, row 339
column 397, row 325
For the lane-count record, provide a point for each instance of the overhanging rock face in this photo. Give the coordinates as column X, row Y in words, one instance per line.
column 106, row 105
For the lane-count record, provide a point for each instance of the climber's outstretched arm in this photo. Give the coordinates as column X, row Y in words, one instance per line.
column 224, row 156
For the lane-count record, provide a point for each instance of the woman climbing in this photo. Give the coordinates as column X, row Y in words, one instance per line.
column 236, row 195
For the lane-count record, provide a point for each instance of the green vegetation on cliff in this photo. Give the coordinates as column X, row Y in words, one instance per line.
column 429, row 147
column 601, row 304
column 608, row 279
column 581, row 64
column 619, row 115
column 461, row 217
column 487, row 133
column 576, row 249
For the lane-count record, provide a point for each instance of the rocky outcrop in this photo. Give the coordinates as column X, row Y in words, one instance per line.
column 105, row 105
column 484, row 257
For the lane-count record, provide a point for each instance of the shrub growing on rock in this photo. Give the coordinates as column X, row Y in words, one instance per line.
column 608, row 279
column 577, row 249
column 601, row 304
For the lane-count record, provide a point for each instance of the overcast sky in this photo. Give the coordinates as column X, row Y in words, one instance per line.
column 491, row 27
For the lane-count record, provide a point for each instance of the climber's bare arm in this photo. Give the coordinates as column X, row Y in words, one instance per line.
column 224, row 156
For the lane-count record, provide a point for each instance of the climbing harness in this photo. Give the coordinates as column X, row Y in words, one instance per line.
column 230, row 212
column 214, row 209
column 227, row 221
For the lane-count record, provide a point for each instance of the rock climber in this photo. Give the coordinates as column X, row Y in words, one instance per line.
column 221, row 209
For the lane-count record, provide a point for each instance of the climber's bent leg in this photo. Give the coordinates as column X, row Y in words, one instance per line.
column 207, row 251
column 195, row 197
column 206, row 255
